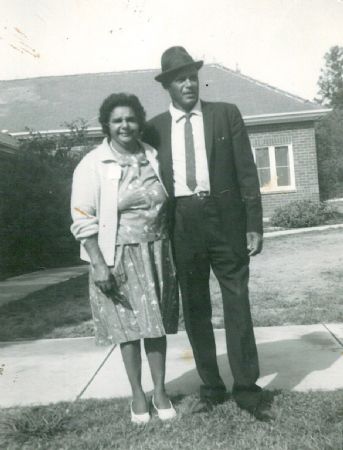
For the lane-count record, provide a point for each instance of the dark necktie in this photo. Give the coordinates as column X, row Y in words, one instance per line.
column 190, row 154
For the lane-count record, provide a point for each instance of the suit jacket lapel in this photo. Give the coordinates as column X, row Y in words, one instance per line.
column 151, row 155
column 165, row 155
column 208, row 128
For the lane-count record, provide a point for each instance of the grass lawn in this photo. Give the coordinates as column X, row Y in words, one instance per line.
column 304, row 421
column 296, row 280
column 60, row 310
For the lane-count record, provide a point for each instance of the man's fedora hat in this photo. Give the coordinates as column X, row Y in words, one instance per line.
column 173, row 60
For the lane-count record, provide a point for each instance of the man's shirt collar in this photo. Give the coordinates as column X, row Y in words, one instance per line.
column 177, row 114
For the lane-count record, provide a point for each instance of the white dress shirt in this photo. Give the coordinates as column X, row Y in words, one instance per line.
column 178, row 150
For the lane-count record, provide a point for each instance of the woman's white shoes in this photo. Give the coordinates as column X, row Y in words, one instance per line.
column 139, row 418
column 165, row 414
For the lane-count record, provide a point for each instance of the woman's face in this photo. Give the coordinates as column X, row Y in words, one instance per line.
column 123, row 126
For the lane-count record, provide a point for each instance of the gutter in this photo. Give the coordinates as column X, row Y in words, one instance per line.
column 91, row 131
column 288, row 117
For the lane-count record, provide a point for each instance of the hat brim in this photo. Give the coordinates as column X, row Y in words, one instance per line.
column 168, row 74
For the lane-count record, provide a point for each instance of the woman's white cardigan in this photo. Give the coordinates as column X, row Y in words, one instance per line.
column 94, row 199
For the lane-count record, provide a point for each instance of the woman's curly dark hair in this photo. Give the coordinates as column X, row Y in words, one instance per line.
column 121, row 99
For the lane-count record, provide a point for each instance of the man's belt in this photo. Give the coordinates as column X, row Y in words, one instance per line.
column 199, row 195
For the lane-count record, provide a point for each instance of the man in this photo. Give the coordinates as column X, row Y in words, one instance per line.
column 216, row 220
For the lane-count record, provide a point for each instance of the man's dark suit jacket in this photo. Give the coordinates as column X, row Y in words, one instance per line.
column 233, row 175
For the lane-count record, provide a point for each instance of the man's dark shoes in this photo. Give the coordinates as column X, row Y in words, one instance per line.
column 251, row 399
column 202, row 405
column 210, row 396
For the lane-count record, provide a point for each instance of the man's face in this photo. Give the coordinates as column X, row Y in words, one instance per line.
column 184, row 89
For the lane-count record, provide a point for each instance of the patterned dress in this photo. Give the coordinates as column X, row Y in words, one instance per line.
column 143, row 268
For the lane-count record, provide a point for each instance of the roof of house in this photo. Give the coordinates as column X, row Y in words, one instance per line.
column 47, row 103
column 8, row 144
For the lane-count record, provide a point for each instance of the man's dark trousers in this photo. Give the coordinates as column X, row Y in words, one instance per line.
column 200, row 242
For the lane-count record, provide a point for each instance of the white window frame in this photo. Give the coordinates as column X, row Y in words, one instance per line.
column 273, row 174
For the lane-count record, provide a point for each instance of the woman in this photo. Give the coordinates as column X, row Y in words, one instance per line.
column 119, row 216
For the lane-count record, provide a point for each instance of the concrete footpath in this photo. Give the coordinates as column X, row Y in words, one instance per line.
column 300, row 358
column 277, row 233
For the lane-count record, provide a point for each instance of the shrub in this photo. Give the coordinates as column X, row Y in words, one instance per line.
column 303, row 213
column 35, row 217
column 35, row 188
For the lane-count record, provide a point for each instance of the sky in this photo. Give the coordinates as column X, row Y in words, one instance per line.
column 279, row 42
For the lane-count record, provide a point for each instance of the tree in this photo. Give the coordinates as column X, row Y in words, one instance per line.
column 329, row 130
column 58, row 146
column 329, row 139
column 331, row 78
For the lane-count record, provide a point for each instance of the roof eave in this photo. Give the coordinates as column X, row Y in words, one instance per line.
column 288, row 117
column 259, row 119
column 91, row 131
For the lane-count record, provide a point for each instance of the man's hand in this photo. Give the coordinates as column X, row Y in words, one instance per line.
column 254, row 243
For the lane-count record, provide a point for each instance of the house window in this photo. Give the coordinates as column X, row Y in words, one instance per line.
column 275, row 167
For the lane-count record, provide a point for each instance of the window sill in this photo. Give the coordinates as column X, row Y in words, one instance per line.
column 279, row 191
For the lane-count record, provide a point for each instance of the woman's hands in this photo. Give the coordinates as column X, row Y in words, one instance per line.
column 103, row 278
column 134, row 199
column 105, row 281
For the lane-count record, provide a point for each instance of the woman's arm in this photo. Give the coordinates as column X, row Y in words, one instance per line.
column 85, row 222
column 83, row 200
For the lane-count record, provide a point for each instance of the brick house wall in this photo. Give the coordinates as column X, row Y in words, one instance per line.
column 302, row 138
